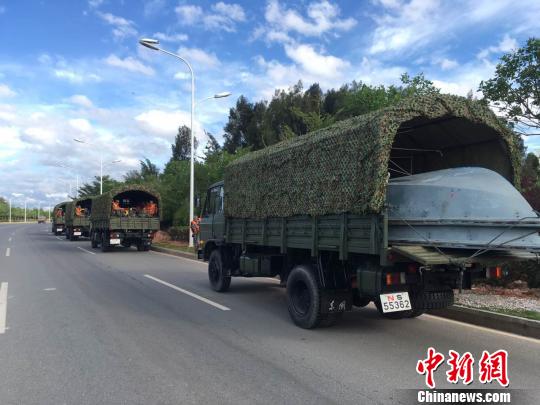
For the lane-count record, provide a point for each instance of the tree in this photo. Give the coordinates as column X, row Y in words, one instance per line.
column 212, row 146
column 181, row 149
column 515, row 89
column 148, row 173
column 90, row 189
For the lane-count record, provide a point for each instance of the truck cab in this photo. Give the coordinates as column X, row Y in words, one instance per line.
column 212, row 224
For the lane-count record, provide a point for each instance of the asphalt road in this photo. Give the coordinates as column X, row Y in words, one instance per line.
column 85, row 327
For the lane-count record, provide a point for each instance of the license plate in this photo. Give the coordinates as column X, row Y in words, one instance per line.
column 58, row 229
column 395, row 302
column 115, row 241
column 76, row 234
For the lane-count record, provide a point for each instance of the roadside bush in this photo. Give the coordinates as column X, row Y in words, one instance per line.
column 180, row 233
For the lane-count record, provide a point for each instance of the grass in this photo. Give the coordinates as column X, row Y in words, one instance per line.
column 174, row 246
column 521, row 313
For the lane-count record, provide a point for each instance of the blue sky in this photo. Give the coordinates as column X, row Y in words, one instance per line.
column 74, row 69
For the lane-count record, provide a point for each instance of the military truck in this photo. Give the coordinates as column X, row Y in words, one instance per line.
column 125, row 216
column 78, row 218
column 58, row 223
column 398, row 207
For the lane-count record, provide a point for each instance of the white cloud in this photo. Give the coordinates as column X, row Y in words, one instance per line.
column 165, row 124
column 189, row 14
column 153, row 7
column 81, row 124
column 95, row 3
column 5, row 91
column 11, row 143
column 122, row 28
column 315, row 63
column 81, row 100
column 223, row 16
column 76, row 77
column 507, row 44
column 182, row 76
column 447, row 64
column 39, row 136
column 170, row 37
column 203, row 58
column 129, row 63
column 323, row 17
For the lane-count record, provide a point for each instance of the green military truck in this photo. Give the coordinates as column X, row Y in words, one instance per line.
column 78, row 218
column 398, row 207
column 125, row 216
column 58, row 222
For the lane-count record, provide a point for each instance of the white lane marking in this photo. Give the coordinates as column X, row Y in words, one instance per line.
column 8, row 252
column 84, row 250
column 482, row 328
column 9, row 240
column 3, row 306
column 49, row 289
column 59, row 238
column 193, row 295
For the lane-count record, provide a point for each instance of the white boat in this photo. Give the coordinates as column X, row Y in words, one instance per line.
column 465, row 208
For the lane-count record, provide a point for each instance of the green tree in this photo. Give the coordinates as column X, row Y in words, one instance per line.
column 181, row 148
column 90, row 189
column 515, row 89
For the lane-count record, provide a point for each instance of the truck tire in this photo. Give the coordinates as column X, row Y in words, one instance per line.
column 219, row 281
column 93, row 242
column 304, row 300
column 142, row 247
column 104, row 242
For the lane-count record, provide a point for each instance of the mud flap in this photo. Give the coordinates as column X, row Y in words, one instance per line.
column 336, row 301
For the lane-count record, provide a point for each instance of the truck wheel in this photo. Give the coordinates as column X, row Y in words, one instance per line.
column 104, row 242
column 93, row 241
column 304, row 299
column 142, row 247
column 219, row 281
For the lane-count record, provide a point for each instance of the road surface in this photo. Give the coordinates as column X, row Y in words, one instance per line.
column 78, row 326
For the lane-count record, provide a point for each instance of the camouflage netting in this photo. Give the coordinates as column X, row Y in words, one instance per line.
column 345, row 167
column 62, row 205
column 101, row 205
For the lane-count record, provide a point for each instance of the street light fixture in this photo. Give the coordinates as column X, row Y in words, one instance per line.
column 152, row 43
column 100, row 163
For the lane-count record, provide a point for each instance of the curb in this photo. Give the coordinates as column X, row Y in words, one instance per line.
column 174, row 252
column 492, row 320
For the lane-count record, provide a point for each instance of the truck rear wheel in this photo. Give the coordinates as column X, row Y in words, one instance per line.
column 93, row 240
column 104, row 242
column 304, row 299
column 142, row 247
column 219, row 281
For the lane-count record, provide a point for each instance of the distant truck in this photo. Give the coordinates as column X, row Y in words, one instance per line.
column 398, row 207
column 41, row 219
column 58, row 222
column 125, row 216
column 78, row 218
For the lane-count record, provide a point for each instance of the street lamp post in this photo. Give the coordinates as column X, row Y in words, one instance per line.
column 100, row 167
column 153, row 44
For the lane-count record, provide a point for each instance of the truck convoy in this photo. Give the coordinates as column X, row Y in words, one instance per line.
column 77, row 218
column 58, row 222
column 398, row 207
column 125, row 216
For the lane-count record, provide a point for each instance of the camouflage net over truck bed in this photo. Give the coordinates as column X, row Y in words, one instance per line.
column 59, row 213
column 131, row 199
column 345, row 167
column 80, row 216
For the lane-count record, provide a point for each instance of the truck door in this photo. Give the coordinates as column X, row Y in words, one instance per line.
column 207, row 219
column 218, row 228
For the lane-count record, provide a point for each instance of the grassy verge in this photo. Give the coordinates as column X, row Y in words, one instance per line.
column 174, row 246
column 522, row 313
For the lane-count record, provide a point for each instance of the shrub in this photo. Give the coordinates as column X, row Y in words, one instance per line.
column 180, row 233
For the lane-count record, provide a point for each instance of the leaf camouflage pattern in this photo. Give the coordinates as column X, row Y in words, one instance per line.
column 344, row 167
